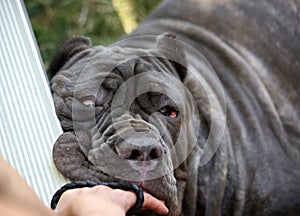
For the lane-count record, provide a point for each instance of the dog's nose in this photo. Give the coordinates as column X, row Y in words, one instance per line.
column 139, row 152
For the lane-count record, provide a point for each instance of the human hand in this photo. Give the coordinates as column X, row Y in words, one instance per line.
column 104, row 201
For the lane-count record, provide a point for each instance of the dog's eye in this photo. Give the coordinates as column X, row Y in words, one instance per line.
column 169, row 111
column 89, row 103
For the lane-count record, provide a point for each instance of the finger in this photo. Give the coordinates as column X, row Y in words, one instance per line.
column 126, row 199
column 101, row 190
column 154, row 204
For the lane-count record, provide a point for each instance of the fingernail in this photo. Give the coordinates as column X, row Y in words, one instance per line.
column 164, row 209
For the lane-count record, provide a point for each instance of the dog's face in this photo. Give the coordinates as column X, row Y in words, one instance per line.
column 126, row 115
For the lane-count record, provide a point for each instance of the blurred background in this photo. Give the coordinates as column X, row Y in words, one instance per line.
column 104, row 21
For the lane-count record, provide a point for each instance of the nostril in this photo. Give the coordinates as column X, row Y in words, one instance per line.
column 155, row 153
column 135, row 155
column 143, row 153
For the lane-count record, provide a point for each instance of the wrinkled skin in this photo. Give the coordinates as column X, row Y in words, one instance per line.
column 102, row 142
column 209, row 139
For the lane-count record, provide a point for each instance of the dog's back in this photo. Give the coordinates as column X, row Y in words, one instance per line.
column 254, row 48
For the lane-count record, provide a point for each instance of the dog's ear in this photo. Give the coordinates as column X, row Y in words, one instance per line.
column 172, row 49
column 71, row 47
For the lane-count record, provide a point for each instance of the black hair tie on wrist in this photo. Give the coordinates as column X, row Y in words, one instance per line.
column 127, row 186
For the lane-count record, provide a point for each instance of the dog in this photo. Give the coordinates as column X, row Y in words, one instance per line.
column 199, row 106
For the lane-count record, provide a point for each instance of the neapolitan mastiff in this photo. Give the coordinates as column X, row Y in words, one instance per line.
column 200, row 106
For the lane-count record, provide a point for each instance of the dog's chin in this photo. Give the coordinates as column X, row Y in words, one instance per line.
column 167, row 195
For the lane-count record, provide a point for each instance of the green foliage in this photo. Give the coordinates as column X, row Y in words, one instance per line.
column 143, row 7
column 54, row 21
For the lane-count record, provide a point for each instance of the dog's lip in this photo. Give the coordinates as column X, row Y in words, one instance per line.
column 143, row 185
column 148, row 192
column 153, row 194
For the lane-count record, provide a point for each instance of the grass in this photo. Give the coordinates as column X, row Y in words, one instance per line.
column 104, row 21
